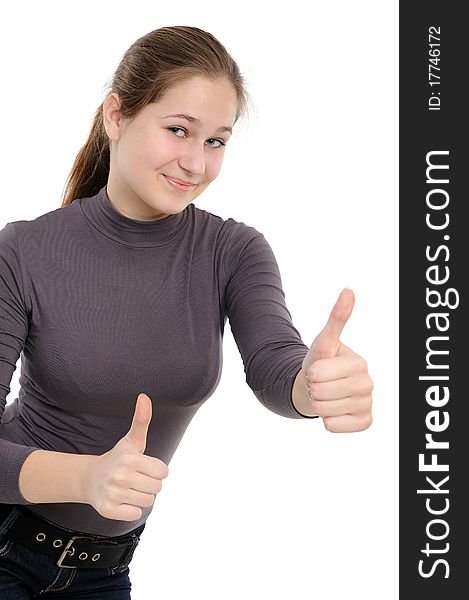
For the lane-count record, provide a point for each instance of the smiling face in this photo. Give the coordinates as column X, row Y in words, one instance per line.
column 152, row 151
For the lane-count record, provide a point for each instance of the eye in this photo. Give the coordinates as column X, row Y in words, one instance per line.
column 179, row 128
column 220, row 143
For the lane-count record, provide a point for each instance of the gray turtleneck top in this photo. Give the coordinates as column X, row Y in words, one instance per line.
column 101, row 307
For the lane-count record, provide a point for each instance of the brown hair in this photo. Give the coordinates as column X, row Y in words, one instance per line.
column 151, row 65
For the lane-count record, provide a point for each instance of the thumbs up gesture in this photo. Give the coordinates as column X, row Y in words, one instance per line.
column 121, row 481
column 337, row 381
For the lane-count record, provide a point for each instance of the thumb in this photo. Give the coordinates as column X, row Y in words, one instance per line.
column 140, row 422
column 327, row 342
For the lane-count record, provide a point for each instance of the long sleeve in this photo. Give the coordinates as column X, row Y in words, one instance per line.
column 99, row 307
column 270, row 346
column 13, row 333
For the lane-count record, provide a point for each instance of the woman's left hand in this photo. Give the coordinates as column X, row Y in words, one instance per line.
column 339, row 386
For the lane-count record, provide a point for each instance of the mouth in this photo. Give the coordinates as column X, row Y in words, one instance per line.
column 178, row 184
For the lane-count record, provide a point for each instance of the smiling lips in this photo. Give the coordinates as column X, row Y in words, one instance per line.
column 178, row 184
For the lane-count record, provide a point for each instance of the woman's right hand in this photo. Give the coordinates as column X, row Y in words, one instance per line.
column 121, row 481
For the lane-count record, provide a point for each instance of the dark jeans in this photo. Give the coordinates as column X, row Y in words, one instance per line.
column 26, row 574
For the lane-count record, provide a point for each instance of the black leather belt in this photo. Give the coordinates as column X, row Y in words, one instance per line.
column 68, row 548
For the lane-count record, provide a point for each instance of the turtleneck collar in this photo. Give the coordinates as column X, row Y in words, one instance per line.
column 131, row 232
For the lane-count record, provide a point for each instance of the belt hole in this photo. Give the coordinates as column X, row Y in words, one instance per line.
column 41, row 537
column 83, row 556
column 57, row 543
column 95, row 557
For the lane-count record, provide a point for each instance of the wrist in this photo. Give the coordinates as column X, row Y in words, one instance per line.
column 84, row 468
column 300, row 397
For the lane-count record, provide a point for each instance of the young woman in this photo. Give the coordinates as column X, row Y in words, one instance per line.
column 117, row 303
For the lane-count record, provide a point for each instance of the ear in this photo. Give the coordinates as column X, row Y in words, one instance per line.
column 112, row 116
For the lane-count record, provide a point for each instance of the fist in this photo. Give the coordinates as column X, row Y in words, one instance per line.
column 123, row 480
column 337, row 380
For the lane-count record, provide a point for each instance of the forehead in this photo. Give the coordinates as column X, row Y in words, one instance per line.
column 206, row 99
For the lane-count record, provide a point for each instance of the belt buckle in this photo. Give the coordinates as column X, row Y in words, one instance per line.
column 67, row 551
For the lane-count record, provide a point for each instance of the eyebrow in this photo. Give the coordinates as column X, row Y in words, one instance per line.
column 195, row 121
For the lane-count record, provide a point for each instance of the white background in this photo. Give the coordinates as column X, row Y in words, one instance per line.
column 256, row 505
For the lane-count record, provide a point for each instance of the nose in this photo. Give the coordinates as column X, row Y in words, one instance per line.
column 193, row 159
